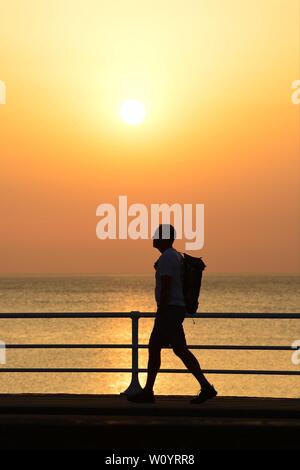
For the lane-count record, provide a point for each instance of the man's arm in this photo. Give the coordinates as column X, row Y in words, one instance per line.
column 166, row 282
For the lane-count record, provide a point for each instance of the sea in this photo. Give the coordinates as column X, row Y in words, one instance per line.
column 249, row 293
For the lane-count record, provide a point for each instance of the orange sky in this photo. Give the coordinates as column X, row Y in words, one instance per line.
column 220, row 129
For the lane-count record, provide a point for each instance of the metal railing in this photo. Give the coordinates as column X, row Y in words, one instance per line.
column 135, row 386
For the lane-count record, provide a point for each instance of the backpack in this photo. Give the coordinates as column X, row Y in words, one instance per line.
column 192, row 269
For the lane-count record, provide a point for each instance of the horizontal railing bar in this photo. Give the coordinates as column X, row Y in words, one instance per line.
column 231, row 371
column 66, row 315
column 281, row 316
column 63, row 370
column 145, row 346
column 235, row 347
column 172, row 371
column 68, row 346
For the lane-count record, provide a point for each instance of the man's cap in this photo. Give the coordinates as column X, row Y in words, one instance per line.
column 165, row 232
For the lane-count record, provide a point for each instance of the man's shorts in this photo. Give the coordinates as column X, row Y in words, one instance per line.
column 168, row 329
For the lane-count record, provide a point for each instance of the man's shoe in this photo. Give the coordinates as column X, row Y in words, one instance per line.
column 145, row 396
column 205, row 394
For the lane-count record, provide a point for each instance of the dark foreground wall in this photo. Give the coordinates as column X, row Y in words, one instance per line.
column 110, row 422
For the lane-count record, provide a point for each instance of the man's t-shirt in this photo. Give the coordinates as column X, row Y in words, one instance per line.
column 170, row 264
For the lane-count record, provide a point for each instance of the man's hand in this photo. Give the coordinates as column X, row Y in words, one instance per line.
column 166, row 282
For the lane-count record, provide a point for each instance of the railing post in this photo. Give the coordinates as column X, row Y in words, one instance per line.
column 135, row 386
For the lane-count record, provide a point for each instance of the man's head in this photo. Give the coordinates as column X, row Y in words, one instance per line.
column 164, row 237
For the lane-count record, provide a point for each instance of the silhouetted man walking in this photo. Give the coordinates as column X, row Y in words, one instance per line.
column 171, row 311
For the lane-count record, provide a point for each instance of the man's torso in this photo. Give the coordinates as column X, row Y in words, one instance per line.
column 170, row 264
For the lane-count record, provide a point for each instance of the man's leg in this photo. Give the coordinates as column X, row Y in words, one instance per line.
column 153, row 365
column 155, row 346
column 191, row 363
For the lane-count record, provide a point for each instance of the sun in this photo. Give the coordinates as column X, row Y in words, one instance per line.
column 132, row 112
